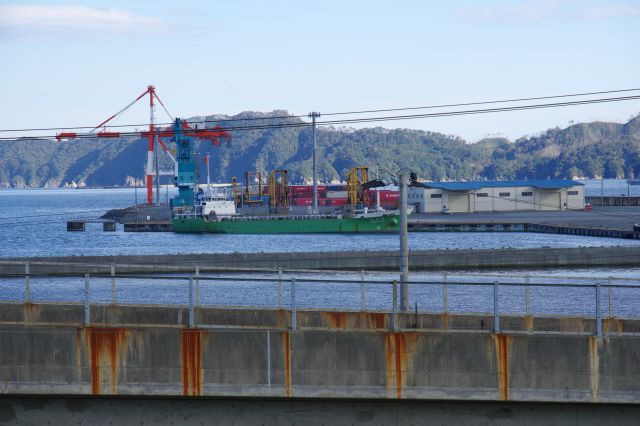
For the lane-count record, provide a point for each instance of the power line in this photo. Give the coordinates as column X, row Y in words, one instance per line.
column 343, row 112
column 383, row 118
column 484, row 102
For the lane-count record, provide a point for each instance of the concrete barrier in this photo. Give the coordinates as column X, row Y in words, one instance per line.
column 49, row 353
column 353, row 260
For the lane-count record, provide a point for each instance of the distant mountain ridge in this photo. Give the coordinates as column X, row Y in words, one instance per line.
column 587, row 149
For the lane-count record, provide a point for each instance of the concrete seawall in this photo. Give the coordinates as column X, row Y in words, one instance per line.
column 48, row 353
column 369, row 260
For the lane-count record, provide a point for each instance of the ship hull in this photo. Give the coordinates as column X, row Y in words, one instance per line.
column 285, row 225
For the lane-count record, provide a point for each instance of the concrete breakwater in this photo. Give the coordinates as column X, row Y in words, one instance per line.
column 524, row 227
column 138, row 351
column 353, row 260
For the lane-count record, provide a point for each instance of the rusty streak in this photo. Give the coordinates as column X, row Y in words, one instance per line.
column 191, row 362
column 30, row 311
column 502, row 353
column 336, row 319
column 104, row 346
column 376, row 320
column 396, row 355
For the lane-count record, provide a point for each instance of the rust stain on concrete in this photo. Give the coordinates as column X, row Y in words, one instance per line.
column 613, row 324
column 396, row 361
column 336, row 320
column 502, row 343
column 528, row 323
column 30, row 312
column 594, row 367
column 191, row 341
column 375, row 320
column 445, row 321
column 283, row 318
column 106, row 346
column 286, row 339
column 354, row 320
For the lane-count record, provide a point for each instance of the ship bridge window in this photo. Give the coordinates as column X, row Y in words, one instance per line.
column 572, row 192
column 482, row 194
column 436, row 195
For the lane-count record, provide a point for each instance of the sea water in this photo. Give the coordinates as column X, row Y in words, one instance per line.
column 33, row 223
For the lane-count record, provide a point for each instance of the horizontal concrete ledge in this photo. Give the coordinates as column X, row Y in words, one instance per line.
column 276, row 320
column 353, row 260
column 20, row 410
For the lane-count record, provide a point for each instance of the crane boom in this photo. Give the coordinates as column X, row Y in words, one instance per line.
column 152, row 135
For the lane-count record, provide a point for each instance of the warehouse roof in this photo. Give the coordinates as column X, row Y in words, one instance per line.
column 470, row 186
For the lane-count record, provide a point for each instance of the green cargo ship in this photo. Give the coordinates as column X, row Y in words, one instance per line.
column 215, row 213
column 304, row 224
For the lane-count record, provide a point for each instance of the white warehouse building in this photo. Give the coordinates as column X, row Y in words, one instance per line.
column 496, row 196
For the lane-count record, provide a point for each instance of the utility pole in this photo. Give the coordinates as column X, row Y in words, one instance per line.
column 404, row 241
column 207, row 159
column 313, row 116
column 157, row 166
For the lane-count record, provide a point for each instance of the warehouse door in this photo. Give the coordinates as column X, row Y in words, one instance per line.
column 458, row 203
column 550, row 200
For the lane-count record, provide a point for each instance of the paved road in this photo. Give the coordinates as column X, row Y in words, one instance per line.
column 600, row 217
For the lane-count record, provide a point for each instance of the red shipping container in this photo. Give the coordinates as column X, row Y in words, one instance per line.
column 336, row 201
column 302, row 201
column 301, row 189
column 386, row 196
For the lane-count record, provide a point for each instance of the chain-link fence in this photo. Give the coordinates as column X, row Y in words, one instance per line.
column 454, row 302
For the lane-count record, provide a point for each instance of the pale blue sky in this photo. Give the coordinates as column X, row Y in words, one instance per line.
column 67, row 64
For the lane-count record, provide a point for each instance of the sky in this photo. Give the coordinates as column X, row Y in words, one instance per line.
column 74, row 64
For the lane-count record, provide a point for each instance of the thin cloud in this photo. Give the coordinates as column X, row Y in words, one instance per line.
column 74, row 18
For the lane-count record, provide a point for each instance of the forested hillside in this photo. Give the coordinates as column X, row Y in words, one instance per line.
column 588, row 149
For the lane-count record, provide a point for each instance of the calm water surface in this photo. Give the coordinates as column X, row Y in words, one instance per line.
column 33, row 223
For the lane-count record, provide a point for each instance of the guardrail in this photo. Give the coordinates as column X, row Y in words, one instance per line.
column 453, row 302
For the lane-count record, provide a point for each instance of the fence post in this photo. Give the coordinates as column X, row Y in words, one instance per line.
column 27, row 283
column 279, row 288
column 496, row 308
column 197, row 302
column 527, row 296
column 598, row 315
column 362, row 292
column 269, row 358
column 610, row 286
column 445, row 292
column 113, row 283
column 294, row 320
column 395, row 305
column 191, row 318
column 87, row 311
